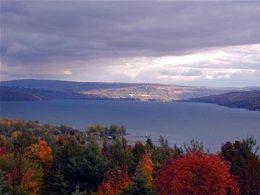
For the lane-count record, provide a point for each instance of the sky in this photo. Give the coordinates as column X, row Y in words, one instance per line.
column 195, row 43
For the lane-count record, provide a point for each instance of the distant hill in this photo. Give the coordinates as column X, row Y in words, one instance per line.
column 57, row 85
column 32, row 94
column 243, row 99
column 12, row 94
column 32, row 90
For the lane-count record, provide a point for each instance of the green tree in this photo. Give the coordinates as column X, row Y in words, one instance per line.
column 82, row 165
column 138, row 151
column 3, row 184
column 149, row 144
column 96, row 164
column 58, row 185
column 245, row 164
column 96, row 131
column 62, row 160
column 162, row 153
column 195, row 146
column 77, row 191
column 119, row 153
column 116, row 130
column 139, row 186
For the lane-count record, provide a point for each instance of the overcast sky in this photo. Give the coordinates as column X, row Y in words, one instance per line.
column 209, row 43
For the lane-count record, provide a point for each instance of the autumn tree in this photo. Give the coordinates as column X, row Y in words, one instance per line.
column 40, row 153
column 146, row 166
column 115, row 181
column 23, row 178
column 195, row 174
column 96, row 131
column 2, row 151
column 245, row 164
column 22, row 175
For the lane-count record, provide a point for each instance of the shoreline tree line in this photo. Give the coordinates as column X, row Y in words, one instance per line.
column 48, row 159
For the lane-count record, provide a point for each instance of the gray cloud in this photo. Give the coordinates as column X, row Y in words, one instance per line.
column 192, row 72
column 169, row 73
column 104, row 29
column 40, row 34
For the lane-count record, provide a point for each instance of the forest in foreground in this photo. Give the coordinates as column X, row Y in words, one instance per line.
column 48, row 159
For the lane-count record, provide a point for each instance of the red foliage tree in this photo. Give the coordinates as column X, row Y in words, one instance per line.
column 22, row 180
column 115, row 181
column 2, row 151
column 196, row 174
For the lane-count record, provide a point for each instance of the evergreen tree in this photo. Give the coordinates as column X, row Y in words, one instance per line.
column 139, row 186
column 120, row 154
column 149, row 144
column 3, row 183
column 96, row 164
column 77, row 192
column 162, row 153
column 59, row 185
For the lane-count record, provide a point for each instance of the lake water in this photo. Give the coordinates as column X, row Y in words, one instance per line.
column 179, row 122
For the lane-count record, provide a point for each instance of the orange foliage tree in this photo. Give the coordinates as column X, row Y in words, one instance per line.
column 196, row 174
column 115, row 182
column 147, row 167
column 40, row 153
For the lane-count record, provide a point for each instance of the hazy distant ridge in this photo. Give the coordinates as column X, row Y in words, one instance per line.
column 243, row 99
column 71, row 86
column 33, row 90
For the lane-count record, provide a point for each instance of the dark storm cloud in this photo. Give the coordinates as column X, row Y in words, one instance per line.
column 36, row 33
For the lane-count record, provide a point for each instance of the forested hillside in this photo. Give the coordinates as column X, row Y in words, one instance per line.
column 244, row 99
column 13, row 94
column 69, row 86
column 48, row 159
column 35, row 94
column 55, row 89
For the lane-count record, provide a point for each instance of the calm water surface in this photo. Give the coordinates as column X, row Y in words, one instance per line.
column 179, row 122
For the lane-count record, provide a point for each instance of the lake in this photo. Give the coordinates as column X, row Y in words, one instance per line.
column 179, row 122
